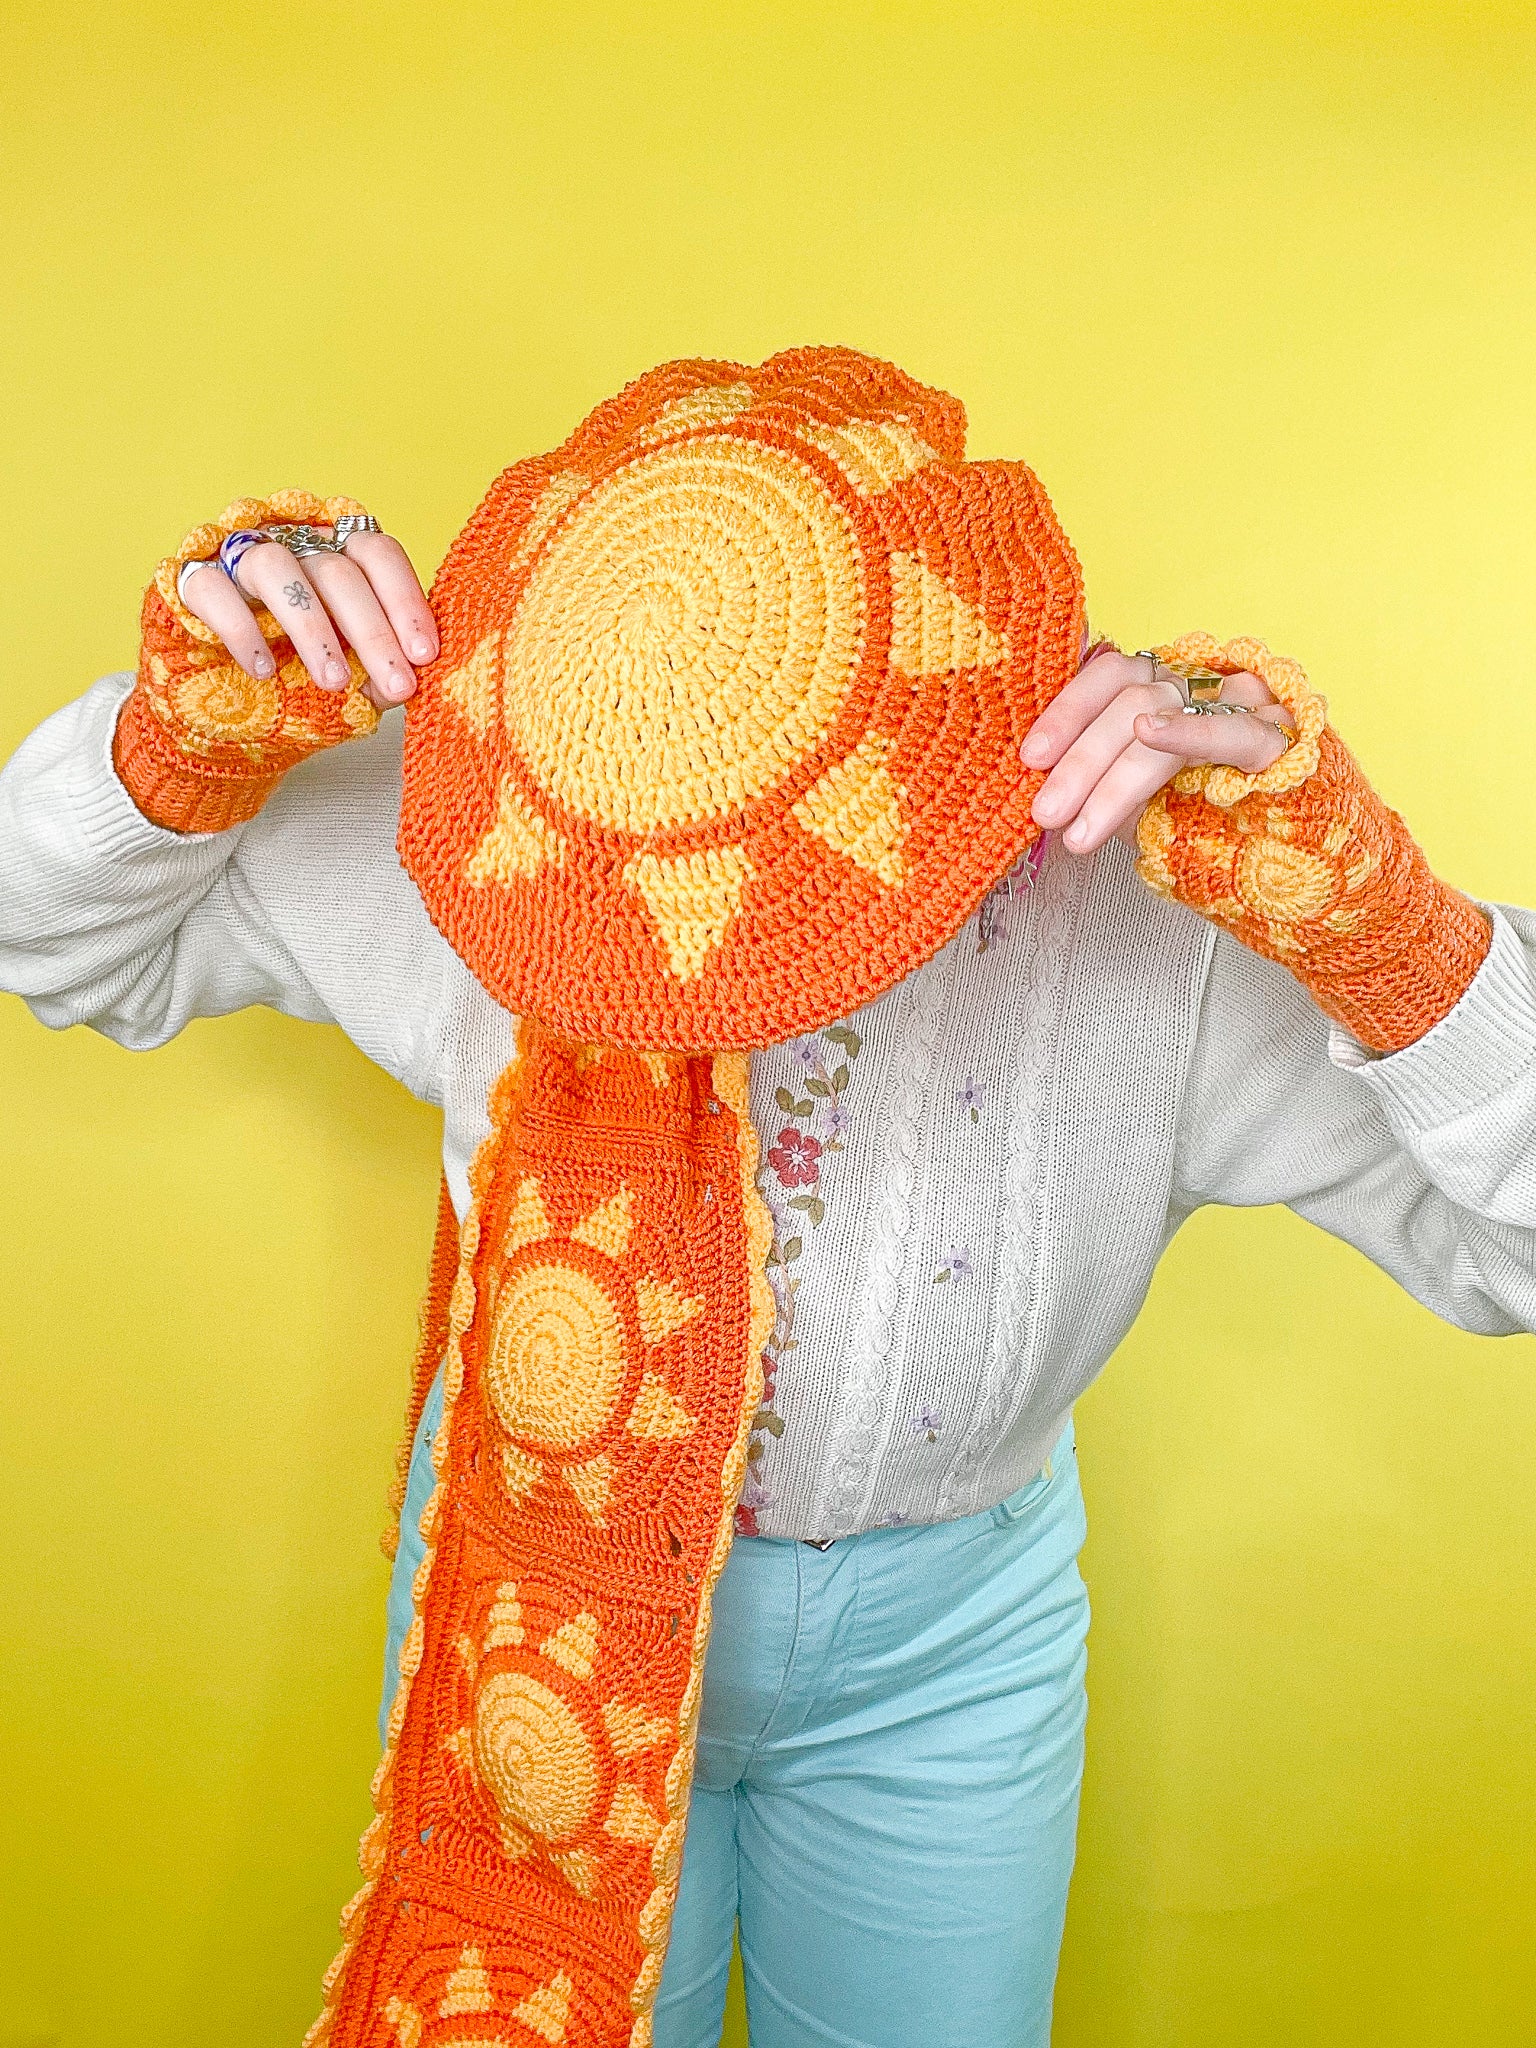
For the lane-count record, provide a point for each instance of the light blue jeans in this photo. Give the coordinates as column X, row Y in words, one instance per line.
column 890, row 1757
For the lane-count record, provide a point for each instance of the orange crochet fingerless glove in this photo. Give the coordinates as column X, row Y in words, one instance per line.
column 1306, row 864
column 200, row 745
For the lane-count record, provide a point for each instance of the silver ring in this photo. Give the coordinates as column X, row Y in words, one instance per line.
column 301, row 539
column 1220, row 708
column 351, row 523
column 184, row 573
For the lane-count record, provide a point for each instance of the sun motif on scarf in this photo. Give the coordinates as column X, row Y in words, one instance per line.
column 737, row 675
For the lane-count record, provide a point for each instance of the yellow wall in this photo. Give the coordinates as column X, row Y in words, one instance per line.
column 1251, row 285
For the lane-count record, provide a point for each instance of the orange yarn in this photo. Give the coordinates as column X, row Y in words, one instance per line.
column 601, row 1358
column 200, row 745
column 1306, row 865
column 722, row 742
column 723, row 739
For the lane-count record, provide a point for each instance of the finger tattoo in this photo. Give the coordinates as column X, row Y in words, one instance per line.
column 296, row 594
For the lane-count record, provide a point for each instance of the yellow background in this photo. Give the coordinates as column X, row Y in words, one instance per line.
column 1251, row 286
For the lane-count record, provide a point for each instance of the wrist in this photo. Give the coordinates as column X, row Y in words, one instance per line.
column 173, row 788
column 201, row 743
column 1306, row 865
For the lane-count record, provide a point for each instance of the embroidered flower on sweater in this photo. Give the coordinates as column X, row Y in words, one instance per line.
column 957, row 1266
column 927, row 1423
column 754, row 1495
column 797, row 1159
column 972, row 1097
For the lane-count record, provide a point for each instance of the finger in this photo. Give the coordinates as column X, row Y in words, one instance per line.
column 1063, row 791
column 359, row 617
column 210, row 596
column 1072, row 710
column 388, row 569
column 1244, row 688
column 1119, row 797
column 271, row 573
column 1252, row 740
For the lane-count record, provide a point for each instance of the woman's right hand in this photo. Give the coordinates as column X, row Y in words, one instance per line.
column 368, row 599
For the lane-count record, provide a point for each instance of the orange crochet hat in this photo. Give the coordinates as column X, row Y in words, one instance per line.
column 723, row 739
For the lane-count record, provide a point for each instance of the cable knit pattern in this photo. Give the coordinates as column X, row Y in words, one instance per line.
column 1012, row 1360
column 753, row 651
column 867, row 1378
column 1308, row 866
column 654, row 889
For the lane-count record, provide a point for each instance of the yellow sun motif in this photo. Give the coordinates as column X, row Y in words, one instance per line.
column 689, row 633
column 557, row 1362
column 545, row 2010
column 542, row 1766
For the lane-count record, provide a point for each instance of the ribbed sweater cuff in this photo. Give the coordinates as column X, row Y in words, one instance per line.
column 1477, row 1049
column 106, row 816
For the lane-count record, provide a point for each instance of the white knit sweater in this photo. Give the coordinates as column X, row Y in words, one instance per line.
column 974, row 1177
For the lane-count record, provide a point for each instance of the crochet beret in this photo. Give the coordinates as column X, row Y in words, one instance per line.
column 723, row 738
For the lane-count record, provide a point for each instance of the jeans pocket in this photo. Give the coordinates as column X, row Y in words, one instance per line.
column 1027, row 1498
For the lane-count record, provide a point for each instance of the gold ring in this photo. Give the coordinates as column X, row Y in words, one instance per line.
column 1201, row 686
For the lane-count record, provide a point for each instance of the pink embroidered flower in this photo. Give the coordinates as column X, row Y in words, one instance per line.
column 746, row 1521
column 795, row 1159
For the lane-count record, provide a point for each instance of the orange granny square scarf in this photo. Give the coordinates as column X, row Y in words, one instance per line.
column 722, row 742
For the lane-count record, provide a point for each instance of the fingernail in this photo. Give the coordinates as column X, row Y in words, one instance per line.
column 397, row 687
column 263, row 665
column 336, row 672
column 421, row 648
column 1158, row 723
column 1046, row 810
column 1074, row 836
column 1034, row 753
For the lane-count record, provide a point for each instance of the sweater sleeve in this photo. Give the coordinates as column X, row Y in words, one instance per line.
column 110, row 920
column 1425, row 1160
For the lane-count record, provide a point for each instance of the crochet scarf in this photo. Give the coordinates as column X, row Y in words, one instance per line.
column 722, row 742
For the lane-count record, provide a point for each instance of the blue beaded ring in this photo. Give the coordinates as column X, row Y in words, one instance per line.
column 233, row 549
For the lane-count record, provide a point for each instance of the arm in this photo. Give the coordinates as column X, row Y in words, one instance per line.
column 114, row 918
column 1424, row 1159
column 1406, row 1128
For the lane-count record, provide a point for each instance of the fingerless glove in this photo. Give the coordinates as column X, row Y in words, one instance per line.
column 1305, row 864
column 200, row 745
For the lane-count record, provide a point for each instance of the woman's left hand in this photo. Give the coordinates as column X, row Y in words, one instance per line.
column 1113, row 737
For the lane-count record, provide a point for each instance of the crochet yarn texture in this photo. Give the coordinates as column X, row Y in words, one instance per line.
column 200, row 745
column 601, row 1344
column 1306, row 865
column 747, row 661
column 737, row 675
